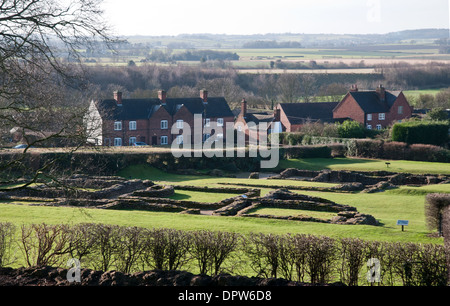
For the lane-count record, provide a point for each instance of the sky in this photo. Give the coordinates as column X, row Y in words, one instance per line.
column 245, row 17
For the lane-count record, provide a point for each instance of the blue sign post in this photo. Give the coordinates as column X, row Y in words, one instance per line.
column 402, row 223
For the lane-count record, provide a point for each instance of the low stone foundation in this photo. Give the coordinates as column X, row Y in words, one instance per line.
column 121, row 194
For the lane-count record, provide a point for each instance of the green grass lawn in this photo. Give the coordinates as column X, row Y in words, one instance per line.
column 360, row 164
column 197, row 196
column 387, row 207
column 293, row 212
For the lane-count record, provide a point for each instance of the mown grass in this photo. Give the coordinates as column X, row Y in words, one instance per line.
column 361, row 164
column 197, row 196
column 283, row 212
column 387, row 207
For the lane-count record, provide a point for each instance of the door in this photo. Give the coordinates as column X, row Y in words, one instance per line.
column 154, row 140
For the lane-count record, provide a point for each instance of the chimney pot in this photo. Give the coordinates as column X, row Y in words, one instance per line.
column 244, row 108
column 118, row 97
column 354, row 88
column 162, row 95
column 204, row 95
column 381, row 92
column 276, row 114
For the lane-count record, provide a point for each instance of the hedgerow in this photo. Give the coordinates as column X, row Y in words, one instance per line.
column 298, row 257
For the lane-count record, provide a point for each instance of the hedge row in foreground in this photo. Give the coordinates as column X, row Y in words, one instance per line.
column 300, row 257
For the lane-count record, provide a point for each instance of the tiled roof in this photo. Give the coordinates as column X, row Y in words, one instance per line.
column 370, row 101
column 134, row 109
column 299, row 113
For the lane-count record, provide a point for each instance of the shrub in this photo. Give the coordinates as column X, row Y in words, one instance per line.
column 105, row 246
column 351, row 129
column 7, row 232
column 263, row 253
column 177, row 245
column 353, row 252
column 369, row 148
column 155, row 249
column 432, row 267
column 45, row 245
column 338, row 149
column 394, row 150
column 82, row 240
column 300, row 247
column 435, row 203
column 425, row 132
column 210, row 249
column 130, row 247
column 306, row 152
column 432, row 153
column 294, row 138
column 321, row 256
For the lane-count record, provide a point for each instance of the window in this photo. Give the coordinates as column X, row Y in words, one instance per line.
column 179, row 139
column 369, row 127
column 118, row 126
column 164, row 140
column 400, row 109
column 381, row 116
column 369, row 117
column 219, row 135
column 180, row 124
column 219, row 121
column 378, row 126
column 164, row 125
column 132, row 125
column 117, row 142
column 206, row 136
column 207, row 121
column 132, row 141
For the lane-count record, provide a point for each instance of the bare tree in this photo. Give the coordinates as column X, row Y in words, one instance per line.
column 41, row 83
column 307, row 87
column 288, row 87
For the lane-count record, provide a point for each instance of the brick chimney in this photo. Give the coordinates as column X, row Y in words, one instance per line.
column 276, row 114
column 244, row 108
column 162, row 95
column 118, row 97
column 204, row 95
column 381, row 92
column 354, row 88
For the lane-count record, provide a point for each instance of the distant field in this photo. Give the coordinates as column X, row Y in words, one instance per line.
column 314, row 71
column 259, row 58
column 416, row 93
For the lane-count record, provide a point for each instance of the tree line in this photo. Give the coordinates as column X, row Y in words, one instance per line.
column 264, row 89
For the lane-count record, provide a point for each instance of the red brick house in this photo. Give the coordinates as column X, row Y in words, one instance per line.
column 375, row 109
column 123, row 122
column 294, row 115
column 262, row 120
